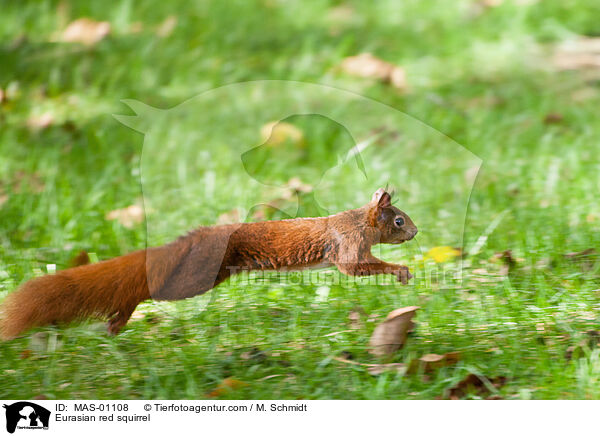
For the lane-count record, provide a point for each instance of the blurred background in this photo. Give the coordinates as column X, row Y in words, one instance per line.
column 482, row 114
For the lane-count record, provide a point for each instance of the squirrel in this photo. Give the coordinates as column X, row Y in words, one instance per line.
column 204, row 258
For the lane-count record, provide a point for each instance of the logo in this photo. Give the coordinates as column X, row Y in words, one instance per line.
column 26, row 415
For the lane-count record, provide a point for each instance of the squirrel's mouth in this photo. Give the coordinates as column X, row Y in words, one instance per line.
column 407, row 236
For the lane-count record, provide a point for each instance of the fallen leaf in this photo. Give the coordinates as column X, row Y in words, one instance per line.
column 431, row 362
column 1, row 96
column 25, row 354
column 553, row 118
column 167, row 26
column 443, row 254
column 368, row 66
column 40, row 397
column 128, row 217
column 86, row 31
column 276, row 133
column 479, row 384
column 390, row 335
column 227, row 385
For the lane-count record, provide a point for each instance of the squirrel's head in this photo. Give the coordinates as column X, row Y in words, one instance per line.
column 394, row 225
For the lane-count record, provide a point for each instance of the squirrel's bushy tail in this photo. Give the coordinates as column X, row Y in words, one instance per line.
column 112, row 288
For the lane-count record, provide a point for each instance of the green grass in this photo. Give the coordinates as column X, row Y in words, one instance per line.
column 477, row 77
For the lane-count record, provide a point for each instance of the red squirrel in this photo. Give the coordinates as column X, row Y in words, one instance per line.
column 202, row 259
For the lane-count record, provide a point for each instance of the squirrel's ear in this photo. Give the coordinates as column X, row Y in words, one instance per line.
column 381, row 198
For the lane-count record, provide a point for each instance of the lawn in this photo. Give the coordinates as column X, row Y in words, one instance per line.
column 492, row 147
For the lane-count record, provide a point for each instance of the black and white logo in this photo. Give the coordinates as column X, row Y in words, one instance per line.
column 26, row 415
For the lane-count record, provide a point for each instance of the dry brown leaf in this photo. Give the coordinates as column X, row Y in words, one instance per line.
column 390, row 335
column 227, row 385
column 128, row 217
column 167, row 26
column 86, row 31
column 431, row 362
column 278, row 132
column 1, row 96
column 368, row 66
column 479, row 384
column 553, row 118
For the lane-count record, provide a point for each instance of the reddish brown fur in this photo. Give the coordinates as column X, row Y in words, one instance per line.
column 199, row 261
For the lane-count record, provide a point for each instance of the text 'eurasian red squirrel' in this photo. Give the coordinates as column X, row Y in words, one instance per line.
column 199, row 261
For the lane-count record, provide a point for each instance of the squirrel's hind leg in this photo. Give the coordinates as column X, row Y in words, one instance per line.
column 118, row 321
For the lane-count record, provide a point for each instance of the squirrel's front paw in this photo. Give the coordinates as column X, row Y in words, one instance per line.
column 403, row 274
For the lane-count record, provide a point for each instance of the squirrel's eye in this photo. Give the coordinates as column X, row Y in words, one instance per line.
column 399, row 221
